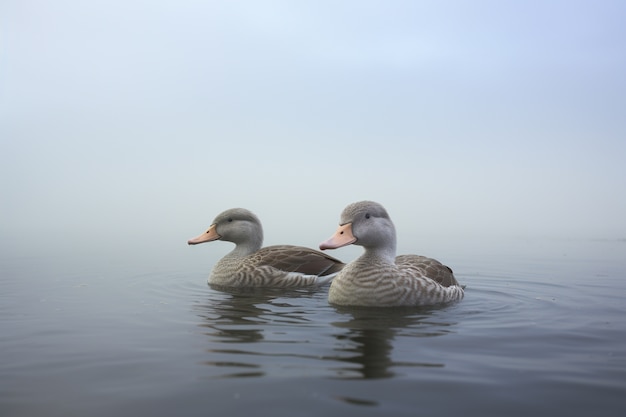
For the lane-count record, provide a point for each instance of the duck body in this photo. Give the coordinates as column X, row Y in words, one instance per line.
column 378, row 278
column 409, row 281
column 250, row 265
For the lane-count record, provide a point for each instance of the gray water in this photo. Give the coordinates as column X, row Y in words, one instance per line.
column 541, row 331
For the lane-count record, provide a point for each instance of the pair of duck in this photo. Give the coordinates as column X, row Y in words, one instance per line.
column 377, row 278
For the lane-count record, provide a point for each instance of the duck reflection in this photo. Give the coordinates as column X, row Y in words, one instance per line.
column 239, row 315
column 254, row 332
column 368, row 339
column 235, row 317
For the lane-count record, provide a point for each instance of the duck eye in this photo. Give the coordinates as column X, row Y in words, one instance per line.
column 230, row 219
column 367, row 216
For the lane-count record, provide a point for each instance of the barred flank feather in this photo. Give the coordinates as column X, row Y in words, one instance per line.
column 276, row 266
column 377, row 284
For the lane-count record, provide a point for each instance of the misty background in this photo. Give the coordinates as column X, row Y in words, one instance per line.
column 127, row 126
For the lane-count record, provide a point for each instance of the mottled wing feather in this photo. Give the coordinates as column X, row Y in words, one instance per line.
column 428, row 267
column 297, row 259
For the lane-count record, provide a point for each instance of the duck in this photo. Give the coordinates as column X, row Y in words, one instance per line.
column 250, row 265
column 379, row 278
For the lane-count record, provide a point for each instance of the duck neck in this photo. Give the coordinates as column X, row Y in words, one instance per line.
column 245, row 248
column 385, row 253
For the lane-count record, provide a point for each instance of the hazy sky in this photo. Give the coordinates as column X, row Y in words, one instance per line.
column 138, row 121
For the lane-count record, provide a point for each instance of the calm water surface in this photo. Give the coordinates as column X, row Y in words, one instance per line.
column 541, row 331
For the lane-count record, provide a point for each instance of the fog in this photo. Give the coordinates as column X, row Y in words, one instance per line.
column 132, row 124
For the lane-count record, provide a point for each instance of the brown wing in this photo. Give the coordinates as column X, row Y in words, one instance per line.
column 298, row 259
column 428, row 267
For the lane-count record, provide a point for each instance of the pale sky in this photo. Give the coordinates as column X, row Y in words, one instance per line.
column 125, row 122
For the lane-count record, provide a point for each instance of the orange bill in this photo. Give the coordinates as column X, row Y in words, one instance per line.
column 342, row 237
column 207, row 236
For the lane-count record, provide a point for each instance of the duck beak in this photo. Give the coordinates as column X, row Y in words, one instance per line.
column 342, row 237
column 207, row 236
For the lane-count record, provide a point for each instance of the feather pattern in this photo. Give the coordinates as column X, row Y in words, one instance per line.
column 249, row 265
column 378, row 277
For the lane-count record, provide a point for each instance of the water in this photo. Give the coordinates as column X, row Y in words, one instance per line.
column 541, row 331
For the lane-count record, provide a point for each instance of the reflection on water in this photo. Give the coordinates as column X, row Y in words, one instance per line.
column 240, row 317
column 235, row 321
column 253, row 333
column 371, row 332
